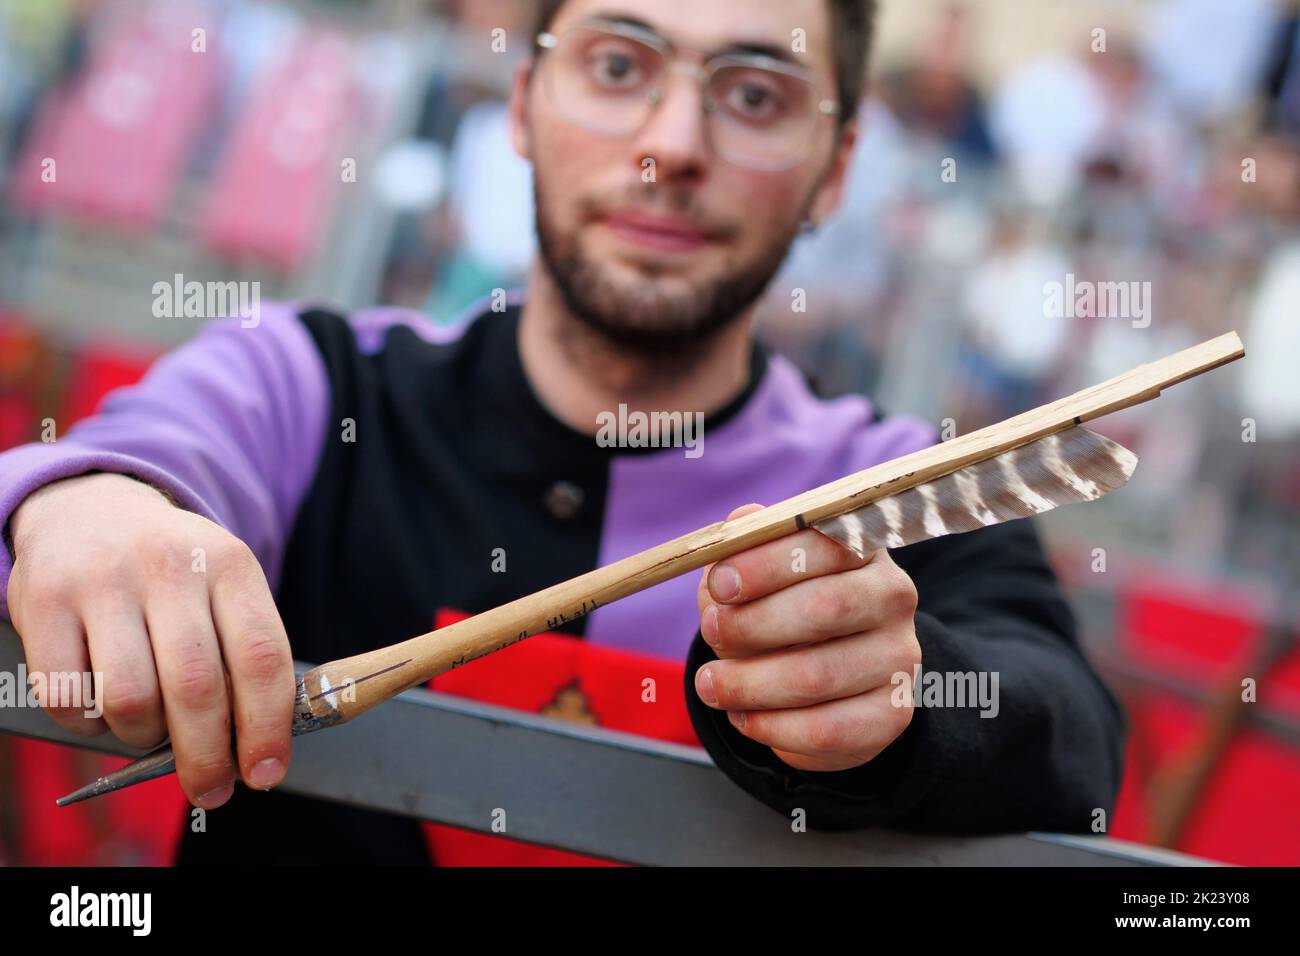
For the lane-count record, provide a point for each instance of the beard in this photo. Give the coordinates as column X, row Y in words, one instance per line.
column 653, row 318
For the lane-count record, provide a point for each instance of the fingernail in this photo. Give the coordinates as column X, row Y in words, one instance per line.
column 266, row 773
column 738, row 718
column 215, row 798
column 724, row 582
column 704, row 687
column 709, row 626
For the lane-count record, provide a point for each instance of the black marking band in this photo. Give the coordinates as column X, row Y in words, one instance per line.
column 1078, row 420
column 799, row 522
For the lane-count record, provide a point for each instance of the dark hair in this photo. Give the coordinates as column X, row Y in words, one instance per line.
column 852, row 27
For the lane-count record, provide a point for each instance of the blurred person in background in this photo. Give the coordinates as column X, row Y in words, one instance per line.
column 481, row 238
column 857, row 271
column 1013, row 346
column 1208, row 56
column 934, row 95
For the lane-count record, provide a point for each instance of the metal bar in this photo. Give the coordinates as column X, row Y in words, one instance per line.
column 587, row 790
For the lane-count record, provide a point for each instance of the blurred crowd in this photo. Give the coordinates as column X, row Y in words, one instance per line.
column 1165, row 155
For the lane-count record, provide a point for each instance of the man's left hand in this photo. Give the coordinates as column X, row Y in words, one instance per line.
column 810, row 640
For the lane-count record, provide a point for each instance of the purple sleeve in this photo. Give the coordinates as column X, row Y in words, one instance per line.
column 230, row 424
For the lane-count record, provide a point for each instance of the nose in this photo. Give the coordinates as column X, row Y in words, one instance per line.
column 676, row 134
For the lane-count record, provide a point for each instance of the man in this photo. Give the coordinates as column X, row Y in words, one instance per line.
column 317, row 485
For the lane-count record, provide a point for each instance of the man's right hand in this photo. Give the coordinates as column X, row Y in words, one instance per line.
column 175, row 612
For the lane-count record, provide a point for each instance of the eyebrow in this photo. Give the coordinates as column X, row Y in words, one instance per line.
column 772, row 51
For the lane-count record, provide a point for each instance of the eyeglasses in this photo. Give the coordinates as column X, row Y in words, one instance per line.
column 609, row 77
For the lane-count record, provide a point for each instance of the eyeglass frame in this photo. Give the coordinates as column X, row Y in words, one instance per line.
column 826, row 106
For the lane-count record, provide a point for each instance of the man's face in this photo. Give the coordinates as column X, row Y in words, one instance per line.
column 654, row 238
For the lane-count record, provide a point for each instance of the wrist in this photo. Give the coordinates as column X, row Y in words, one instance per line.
column 28, row 514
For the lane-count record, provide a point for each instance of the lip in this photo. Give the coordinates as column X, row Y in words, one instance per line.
column 664, row 233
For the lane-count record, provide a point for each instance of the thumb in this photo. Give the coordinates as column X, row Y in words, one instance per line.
column 702, row 597
column 744, row 510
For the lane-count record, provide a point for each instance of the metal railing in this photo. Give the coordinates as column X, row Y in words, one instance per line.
column 586, row 790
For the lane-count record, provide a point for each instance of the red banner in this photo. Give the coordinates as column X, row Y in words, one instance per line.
column 112, row 144
column 284, row 161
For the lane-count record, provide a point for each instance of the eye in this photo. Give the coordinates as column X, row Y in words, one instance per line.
column 614, row 68
column 755, row 99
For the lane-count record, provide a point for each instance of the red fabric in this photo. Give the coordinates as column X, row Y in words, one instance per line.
column 97, row 370
column 21, row 355
column 1248, row 813
column 16, row 416
column 140, row 826
column 272, row 192
column 530, row 676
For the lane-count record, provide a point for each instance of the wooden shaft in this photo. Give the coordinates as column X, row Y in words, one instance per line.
column 340, row 690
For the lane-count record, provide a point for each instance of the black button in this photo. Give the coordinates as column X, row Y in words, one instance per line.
column 564, row 500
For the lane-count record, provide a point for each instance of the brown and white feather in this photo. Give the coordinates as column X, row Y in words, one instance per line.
column 1060, row 469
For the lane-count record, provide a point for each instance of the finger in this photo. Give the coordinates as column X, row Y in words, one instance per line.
column 258, row 659
column 120, row 649
column 805, row 676
column 197, row 706
column 811, row 611
column 54, row 645
column 767, row 568
column 833, row 736
column 702, row 597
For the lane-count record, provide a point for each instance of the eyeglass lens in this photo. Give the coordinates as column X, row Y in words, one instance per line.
column 610, row 82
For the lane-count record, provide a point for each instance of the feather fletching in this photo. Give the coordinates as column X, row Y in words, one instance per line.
column 1059, row 469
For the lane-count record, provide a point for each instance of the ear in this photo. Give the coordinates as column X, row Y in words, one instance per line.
column 519, row 93
column 831, row 192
